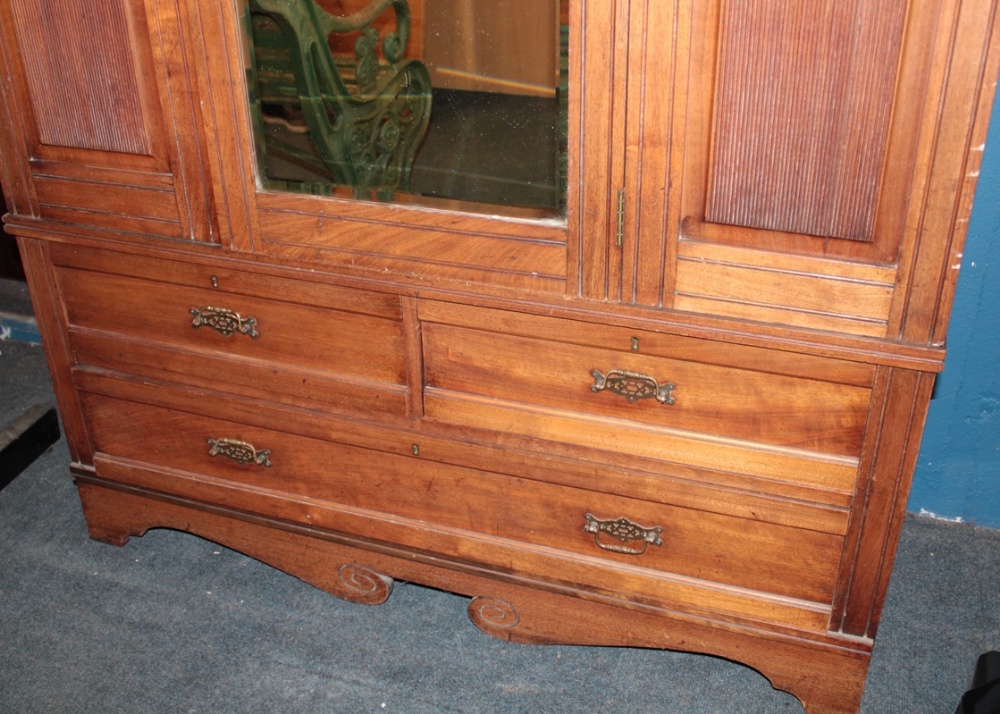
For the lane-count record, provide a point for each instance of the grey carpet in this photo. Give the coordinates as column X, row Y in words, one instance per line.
column 173, row 623
column 24, row 379
column 14, row 297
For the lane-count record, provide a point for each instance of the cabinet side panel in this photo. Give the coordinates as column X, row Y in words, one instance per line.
column 49, row 310
column 961, row 115
column 888, row 461
column 81, row 75
column 802, row 116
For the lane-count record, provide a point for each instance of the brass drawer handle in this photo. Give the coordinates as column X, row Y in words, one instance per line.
column 625, row 532
column 239, row 451
column 633, row 386
column 224, row 321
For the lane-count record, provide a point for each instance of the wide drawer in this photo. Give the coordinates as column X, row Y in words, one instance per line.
column 276, row 346
column 701, row 402
column 613, row 542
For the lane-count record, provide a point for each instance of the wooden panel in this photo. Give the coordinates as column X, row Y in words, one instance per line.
column 884, row 481
column 176, row 67
column 648, row 244
column 802, row 115
column 323, row 390
column 357, row 235
column 767, row 314
column 742, row 404
column 354, row 345
column 331, row 232
column 662, row 344
column 135, row 201
column 673, row 447
column 15, row 175
column 47, row 304
column 697, row 544
column 96, row 147
column 118, row 199
column 228, row 279
column 784, row 289
column 957, row 120
column 602, row 106
column 81, row 74
column 768, row 286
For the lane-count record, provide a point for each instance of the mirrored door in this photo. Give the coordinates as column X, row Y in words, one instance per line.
column 458, row 104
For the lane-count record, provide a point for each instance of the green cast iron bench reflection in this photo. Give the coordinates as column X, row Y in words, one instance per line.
column 365, row 116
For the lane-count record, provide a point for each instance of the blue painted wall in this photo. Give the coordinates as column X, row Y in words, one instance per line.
column 958, row 472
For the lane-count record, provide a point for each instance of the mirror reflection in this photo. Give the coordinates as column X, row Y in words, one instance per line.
column 458, row 104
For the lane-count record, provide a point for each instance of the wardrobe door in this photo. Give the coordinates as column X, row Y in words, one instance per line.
column 462, row 144
column 105, row 138
column 782, row 172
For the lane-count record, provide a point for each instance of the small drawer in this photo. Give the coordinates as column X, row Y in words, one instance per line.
column 261, row 347
column 707, row 403
column 390, row 487
column 237, row 325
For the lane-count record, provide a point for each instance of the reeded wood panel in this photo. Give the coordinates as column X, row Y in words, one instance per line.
column 81, row 74
column 803, row 106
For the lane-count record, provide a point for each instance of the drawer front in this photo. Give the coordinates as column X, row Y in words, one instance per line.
column 351, row 344
column 259, row 381
column 708, row 403
column 631, row 537
column 345, row 354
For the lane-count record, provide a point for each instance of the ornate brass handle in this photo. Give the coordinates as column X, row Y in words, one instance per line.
column 224, row 321
column 633, row 386
column 239, row 451
column 625, row 532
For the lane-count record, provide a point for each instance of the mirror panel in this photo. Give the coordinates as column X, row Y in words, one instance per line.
column 457, row 104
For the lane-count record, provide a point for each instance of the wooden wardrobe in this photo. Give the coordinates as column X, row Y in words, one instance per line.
column 675, row 403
